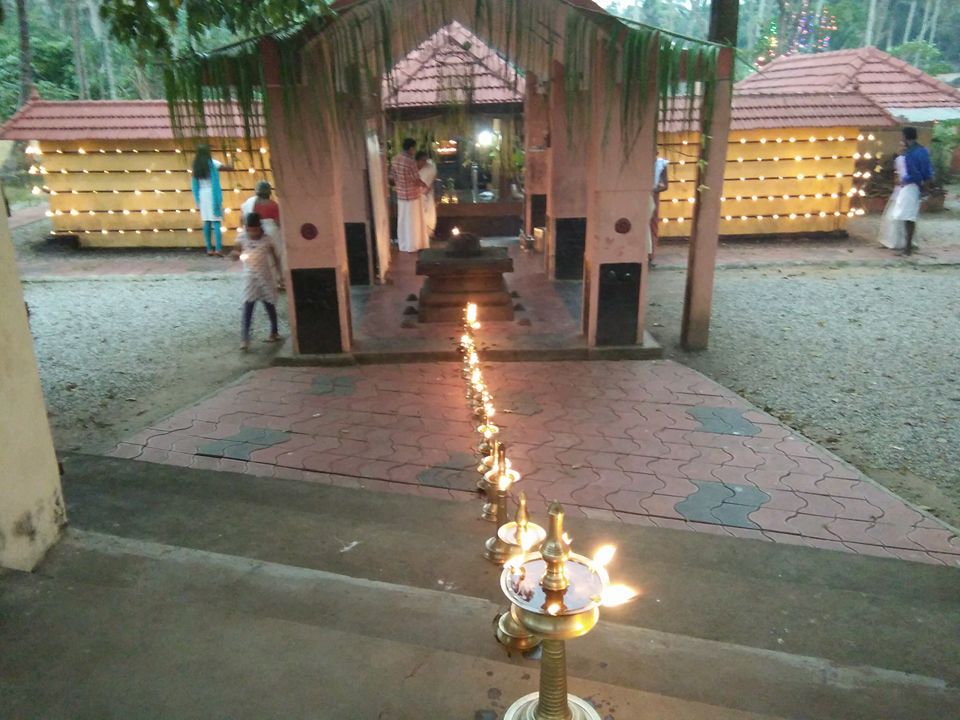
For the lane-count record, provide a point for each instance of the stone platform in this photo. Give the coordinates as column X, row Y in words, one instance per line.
column 453, row 281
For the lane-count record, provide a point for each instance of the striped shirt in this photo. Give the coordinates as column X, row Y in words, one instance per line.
column 406, row 177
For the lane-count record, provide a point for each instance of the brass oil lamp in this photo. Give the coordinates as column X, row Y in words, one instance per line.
column 556, row 595
column 522, row 536
column 500, row 480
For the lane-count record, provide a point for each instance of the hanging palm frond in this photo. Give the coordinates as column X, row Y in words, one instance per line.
column 343, row 58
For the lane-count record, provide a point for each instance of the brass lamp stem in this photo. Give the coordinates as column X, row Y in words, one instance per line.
column 553, row 703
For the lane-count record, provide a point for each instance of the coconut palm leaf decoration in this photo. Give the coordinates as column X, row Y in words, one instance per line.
column 343, row 57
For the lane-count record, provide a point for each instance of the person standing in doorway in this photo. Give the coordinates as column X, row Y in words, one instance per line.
column 919, row 172
column 208, row 195
column 269, row 211
column 660, row 184
column 256, row 252
column 428, row 175
column 411, row 234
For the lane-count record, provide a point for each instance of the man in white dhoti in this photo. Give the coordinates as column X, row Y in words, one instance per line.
column 428, row 175
column 411, row 233
column 919, row 171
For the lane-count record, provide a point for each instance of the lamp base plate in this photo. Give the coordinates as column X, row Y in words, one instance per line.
column 526, row 707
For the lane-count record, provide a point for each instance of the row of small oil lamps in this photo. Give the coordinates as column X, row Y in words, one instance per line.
column 526, row 550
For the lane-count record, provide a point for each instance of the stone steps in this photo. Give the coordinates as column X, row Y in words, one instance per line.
column 324, row 579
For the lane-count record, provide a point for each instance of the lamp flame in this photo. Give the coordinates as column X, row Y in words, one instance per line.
column 553, row 608
column 567, row 539
column 604, row 555
column 455, row 232
column 244, row 256
column 618, row 595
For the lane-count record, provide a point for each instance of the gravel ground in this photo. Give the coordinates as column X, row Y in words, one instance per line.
column 116, row 354
column 863, row 360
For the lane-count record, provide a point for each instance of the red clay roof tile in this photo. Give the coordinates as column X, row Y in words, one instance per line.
column 106, row 120
column 453, row 66
column 888, row 81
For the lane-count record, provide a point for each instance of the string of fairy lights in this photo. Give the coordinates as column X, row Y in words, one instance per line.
column 38, row 169
column 857, row 177
column 794, row 149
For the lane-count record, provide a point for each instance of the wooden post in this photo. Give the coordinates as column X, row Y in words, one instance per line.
column 695, row 331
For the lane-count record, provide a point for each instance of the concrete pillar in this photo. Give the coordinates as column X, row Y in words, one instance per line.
column 536, row 147
column 698, row 298
column 307, row 159
column 356, row 201
column 31, row 502
column 619, row 196
column 567, row 185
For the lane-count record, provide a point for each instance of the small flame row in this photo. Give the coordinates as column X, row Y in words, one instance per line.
column 613, row 595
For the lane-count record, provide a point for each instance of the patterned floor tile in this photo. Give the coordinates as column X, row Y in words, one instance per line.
column 651, row 443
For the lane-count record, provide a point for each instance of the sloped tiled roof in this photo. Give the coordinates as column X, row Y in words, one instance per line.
column 758, row 111
column 888, row 81
column 453, row 67
column 106, row 120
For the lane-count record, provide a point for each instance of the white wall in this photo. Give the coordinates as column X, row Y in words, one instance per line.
column 31, row 502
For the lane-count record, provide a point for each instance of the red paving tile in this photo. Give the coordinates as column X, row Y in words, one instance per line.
column 612, row 441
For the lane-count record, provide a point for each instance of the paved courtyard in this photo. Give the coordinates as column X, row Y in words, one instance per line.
column 651, row 443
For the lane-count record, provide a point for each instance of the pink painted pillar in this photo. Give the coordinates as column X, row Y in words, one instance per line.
column 357, row 218
column 619, row 193
column 566, row 188
column 306, row 163
column 536, row 146
column 698, row 299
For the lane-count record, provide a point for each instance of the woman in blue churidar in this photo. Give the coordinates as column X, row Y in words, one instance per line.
column 209, row 197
